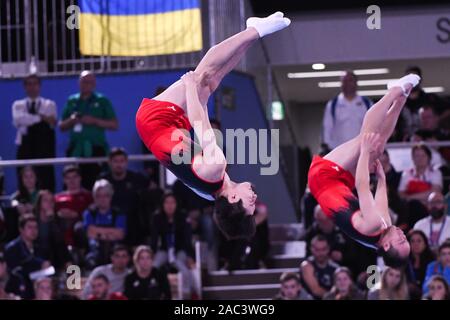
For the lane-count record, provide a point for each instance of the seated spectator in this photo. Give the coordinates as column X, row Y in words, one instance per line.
column 146, row 282
column 116, row 271
column 393, row 286
column 439, row 267
column 344, row 287
column 429, row 131
column 25, row 198
column 438, row 289
column 418, row 182
column 172, row 241
column 291, row 288
column 317, row 270
column 325, row 226
column 50, row 239
column 101, row 289
column 150, row 201
column 259, row 245
column 308, row 204
column 4, row 295
column 409, row 120
column 103, row 224
column 128, row 187
column 392, row 181
column 43, row 289
column 420, row 256
column 437, row 225
column 71, row 203
column 23, row 257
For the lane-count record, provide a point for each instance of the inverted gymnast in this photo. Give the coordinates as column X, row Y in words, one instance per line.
column 163, row 124
column 333, row 178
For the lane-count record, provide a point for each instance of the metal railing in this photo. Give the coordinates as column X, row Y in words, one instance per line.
column 75, row 160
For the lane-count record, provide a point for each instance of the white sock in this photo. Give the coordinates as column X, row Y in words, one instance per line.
column 410, row 78
column 270, row 24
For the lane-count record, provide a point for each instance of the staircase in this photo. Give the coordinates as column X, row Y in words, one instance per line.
column 285, row 254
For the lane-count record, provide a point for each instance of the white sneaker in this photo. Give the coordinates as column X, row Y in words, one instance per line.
column 270, row 24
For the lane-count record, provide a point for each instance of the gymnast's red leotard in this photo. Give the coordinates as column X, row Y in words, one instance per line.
column 164, row 128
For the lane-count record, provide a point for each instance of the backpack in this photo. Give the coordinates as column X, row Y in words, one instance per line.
column 366, row 101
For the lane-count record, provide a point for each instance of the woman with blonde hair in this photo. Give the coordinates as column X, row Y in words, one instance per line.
column 146, row 282
column 393, row 286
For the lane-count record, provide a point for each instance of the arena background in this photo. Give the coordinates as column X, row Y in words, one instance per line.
column 34, row 37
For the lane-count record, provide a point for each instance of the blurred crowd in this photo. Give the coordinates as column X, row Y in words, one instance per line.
column 128, row 236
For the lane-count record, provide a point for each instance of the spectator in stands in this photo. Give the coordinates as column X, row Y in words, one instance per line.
column 71, row 203
column 438, row 289
column 325, row 226
column 35, row 120
column 23, row 257
column 420, row 256
column 101, row 289
column 344, row 287
column 4, row 295
column 51, row 237
column 87, row 115
column 396, row 204
column 344, row 114
column 260, row 244
column 104, row 225
column 439, row 267
column 151, row 198
column 172, row 241
column 25, row 198
column 291, row 288
column 43, row 289
column 317, row 270
column 116, row 271
column 409, row 120
column 146, row 282
column 437, row 225
column 393, row 286
column 128, row 187
column 418, row 182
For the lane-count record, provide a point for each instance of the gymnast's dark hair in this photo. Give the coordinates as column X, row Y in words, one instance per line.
column 391, row 257
column 232, row 220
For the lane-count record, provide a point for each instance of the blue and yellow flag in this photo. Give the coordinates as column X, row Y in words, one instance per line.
column 139, row 27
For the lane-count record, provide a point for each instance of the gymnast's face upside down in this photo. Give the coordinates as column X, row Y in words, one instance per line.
column 394, row 240
column 234, row 210
column 243, row 191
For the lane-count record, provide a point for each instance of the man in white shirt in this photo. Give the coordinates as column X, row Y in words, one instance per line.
column 344, row 114
column 115, row 272
column 35, row 120
column 437, row 225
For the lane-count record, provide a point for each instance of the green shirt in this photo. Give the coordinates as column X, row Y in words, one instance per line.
column 98, row 106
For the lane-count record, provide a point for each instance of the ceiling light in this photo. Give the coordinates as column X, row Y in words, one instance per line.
column 384, row 91
column 362, row 83
column 337, row 73
column 318, row 66
column 433, row 89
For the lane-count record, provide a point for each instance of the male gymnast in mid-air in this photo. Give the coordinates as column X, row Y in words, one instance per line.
column 333, row 178
column 162, row 120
